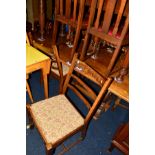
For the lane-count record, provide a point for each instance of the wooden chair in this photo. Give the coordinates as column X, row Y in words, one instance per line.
column 58, row 69
column 71, row 13
column 108, row 25
column 121, row 139
column 57, row 118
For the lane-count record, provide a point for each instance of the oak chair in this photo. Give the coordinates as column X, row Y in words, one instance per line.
column 58, row 69
column 109, row 25
column 57, row 118
column 121, row 139
column 71, row 13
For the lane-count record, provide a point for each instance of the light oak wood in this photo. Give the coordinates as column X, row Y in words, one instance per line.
column 35, row 60
column 80, row 70
column 121, row 89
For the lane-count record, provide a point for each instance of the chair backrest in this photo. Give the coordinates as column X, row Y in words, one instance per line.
column 76, row 80
column 68, row 8
column 110, row 19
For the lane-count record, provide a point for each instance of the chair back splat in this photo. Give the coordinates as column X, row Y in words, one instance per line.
column 58, row 117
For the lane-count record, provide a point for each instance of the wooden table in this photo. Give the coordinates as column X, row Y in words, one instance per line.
column 36, row 60
column 121, row 90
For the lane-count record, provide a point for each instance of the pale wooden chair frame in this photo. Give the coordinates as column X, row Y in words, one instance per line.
column 82, row 69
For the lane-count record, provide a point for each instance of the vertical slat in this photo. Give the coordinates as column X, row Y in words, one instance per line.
column 108, row 15
column 57, row 7
column 71, row 68
column 119, row 16
column 61, row 7
column 68, row 8
column 99, row 13
column 92, row 13
column 75, row 10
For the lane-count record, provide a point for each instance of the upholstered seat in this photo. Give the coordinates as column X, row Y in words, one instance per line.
column 56, row 117
column 54, row 69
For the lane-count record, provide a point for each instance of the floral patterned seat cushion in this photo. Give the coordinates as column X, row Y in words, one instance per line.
column 56, row 117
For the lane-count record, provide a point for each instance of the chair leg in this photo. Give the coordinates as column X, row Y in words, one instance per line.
column 31, row 124
column 55, row 32
column 111, row 147
column 96, row 48
column 50, row 152
column 85, row 45
column 83, row 133
column 29, row 91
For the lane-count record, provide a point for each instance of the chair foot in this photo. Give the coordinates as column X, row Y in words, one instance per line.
column 111, row 148
column 50, row 152
column 30, row 126
column 83, row 134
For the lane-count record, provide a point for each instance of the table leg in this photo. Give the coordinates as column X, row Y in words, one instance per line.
column 45, row 85
column 42, row 19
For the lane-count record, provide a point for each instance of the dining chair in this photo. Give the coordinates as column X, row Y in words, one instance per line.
column 121, row 139
column 58, row 69
column 72, row 14
column 109, row 25
column 58, row 118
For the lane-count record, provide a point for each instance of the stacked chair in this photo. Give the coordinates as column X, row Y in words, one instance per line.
column 70, row 13
column 110, row 24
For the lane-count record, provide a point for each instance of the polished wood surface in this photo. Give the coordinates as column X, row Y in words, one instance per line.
column 102, row 26
column 36, row 60
column 121, row 89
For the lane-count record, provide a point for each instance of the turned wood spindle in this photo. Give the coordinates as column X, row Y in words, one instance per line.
column 42, row 19
column 124, row 69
